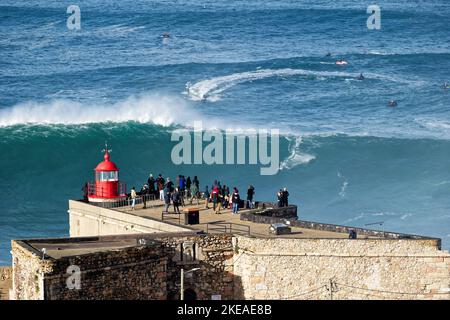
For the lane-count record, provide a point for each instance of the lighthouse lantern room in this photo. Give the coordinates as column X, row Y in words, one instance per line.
column 107, row 187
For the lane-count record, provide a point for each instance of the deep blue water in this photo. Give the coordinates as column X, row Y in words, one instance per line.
column 347, row 157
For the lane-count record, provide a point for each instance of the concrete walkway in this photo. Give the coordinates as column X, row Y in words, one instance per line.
column 216, row 223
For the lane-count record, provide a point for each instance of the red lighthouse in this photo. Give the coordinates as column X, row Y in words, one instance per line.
column 107, row 187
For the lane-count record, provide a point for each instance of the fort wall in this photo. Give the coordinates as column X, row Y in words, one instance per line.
column 149, row 270
column 354, row 269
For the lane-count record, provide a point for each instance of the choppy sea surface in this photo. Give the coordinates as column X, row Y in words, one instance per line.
column 345, row 156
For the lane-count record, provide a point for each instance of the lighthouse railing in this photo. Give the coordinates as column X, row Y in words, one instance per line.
column 124, row 200
column 94, row 191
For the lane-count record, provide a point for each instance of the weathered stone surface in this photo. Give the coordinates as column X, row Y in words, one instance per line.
column 140, row 272
column 359, row 269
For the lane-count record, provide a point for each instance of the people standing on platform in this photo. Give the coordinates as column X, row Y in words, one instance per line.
column 218, row 204
column 151, row 184
column 144, row 195
column 133, row 198
column 85, row 190
column 194, row 193
column 160, row 184
column 166, row 192
column 215, row 196
column 206, row 195
column 188, row 187
column 176, row 200
column 196, row 182
column 182, row 183
column 236, row 199
column 280, row 198
column 169, row 185
column 250, row 193
column 285, row 197
column 225, row 196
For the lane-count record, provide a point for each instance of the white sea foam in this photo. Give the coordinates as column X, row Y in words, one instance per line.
column 344, row 185
column 117, row 29
column 210, row 89
column 366, row 216
column 433, row 124
column 296, row 157
column 159, row 110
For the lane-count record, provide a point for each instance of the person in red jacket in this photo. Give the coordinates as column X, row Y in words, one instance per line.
column 215, row 197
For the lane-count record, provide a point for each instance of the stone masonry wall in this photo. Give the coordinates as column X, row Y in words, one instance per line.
column 5, row 282
column 28, row 271
column 358, row 269
column 213, row 255
column 240, row 267
column 150, row 270
column 131, row 273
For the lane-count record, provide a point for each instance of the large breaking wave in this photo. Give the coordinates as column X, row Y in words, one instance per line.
column 158, row 110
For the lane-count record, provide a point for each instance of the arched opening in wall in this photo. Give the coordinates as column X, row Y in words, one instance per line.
column 190, row 294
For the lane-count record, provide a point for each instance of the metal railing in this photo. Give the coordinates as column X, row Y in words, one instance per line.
column 228, row 227
column 126, row 202
column 171, row 216
column 93, row 190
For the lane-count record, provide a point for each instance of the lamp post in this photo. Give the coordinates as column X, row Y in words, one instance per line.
column 182, row 281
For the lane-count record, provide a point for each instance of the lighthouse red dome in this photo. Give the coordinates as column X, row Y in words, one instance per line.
column 106, row 165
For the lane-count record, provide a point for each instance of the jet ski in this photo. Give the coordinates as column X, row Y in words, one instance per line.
column 341, row 62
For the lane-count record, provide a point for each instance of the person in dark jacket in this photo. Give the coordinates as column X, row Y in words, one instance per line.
column 280, row 198
column 285, row 197
column 206, row 195
column 196, row 182
column 151, row 184
column 188, row 187
column 144, row 195
column 166, row 191
column 225, row 196
column 169, row 185
column 176, row 199
column 235, row 200
column 85, row 190
column 215, row 197
column 250, row 193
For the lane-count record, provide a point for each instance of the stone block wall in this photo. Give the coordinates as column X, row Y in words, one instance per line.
column 5, row 282
column 130, row 273
column 271, row 210
column 28, row 273
column 354, row 269
column 150, row 270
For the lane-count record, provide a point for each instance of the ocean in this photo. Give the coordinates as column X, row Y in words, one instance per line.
column 345, row 155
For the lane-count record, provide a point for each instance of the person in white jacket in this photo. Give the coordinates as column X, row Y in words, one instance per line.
column 133, row 198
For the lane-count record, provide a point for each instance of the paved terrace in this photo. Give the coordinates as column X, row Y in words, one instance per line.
column 225, row 221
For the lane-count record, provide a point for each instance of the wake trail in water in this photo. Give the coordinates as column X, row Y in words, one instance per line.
column 211, row 89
